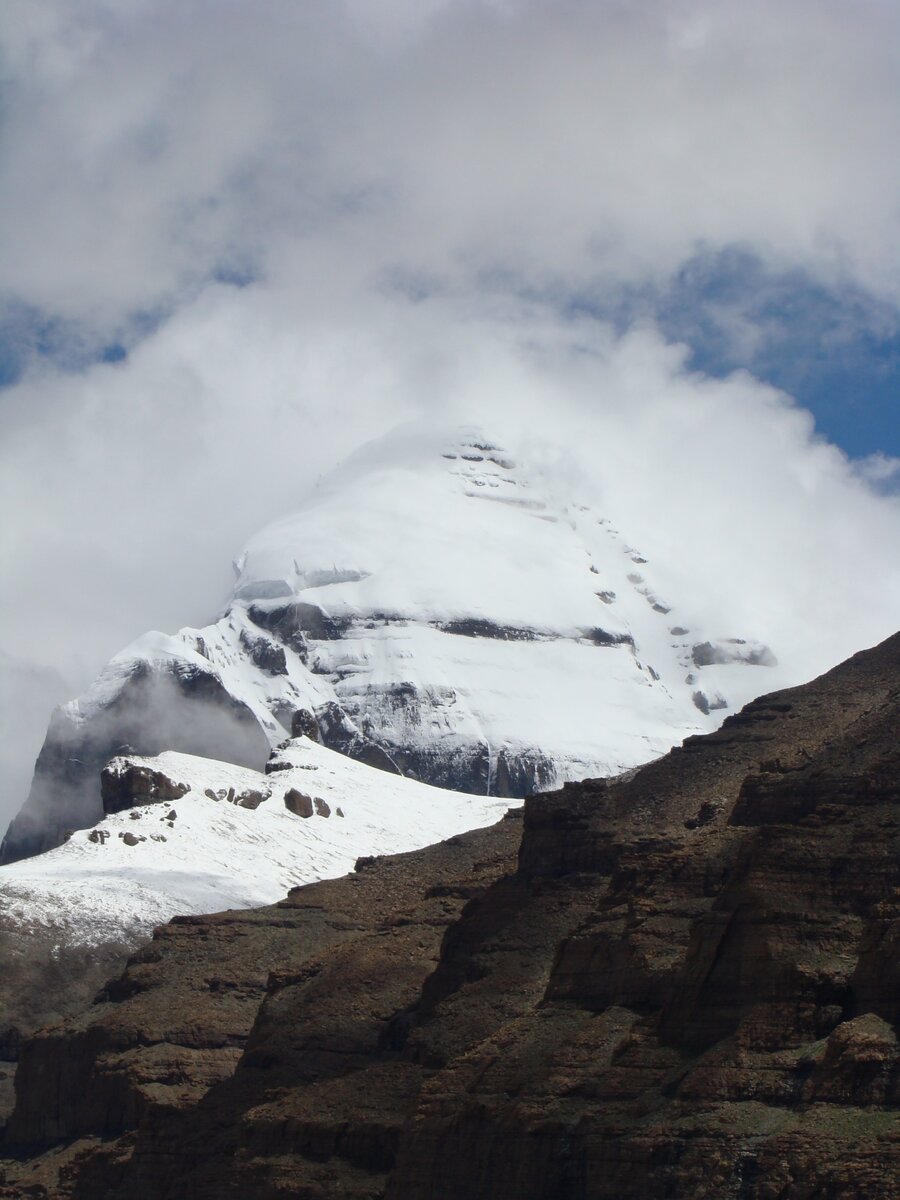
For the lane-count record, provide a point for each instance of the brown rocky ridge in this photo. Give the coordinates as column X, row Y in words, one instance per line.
column 682, row 984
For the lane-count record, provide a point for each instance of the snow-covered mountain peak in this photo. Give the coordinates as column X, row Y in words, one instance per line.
column 399, row 522
column 446, row 606
column 444, row 528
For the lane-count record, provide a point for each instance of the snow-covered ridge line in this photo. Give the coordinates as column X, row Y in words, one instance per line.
column 193, row 835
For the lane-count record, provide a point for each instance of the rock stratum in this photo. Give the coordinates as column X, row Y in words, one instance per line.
column 684, row 983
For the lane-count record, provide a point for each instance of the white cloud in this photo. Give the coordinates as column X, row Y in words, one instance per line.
column 148, row 144
column 396, row 179
column 880, row 470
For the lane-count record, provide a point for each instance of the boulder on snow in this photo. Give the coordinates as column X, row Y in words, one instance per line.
column 251, row 798
column 297, row 803
column 304, row 724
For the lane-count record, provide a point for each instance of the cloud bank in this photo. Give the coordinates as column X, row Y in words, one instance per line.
column 239, row 240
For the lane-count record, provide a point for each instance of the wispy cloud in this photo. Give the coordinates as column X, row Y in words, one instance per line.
column 150, row 146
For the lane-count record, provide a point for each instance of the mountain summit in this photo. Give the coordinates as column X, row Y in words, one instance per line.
column 439, row 607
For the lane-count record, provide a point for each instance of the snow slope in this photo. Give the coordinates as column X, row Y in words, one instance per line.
column 214, row 853
column 465, row 604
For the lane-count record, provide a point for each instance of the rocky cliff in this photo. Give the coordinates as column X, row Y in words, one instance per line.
column 680, row 984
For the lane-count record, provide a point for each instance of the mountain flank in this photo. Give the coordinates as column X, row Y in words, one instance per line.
column 683, row 983
column 437, row 608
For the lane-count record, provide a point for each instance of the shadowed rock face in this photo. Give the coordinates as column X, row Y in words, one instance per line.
column 682, row 984
column 154, row 710
column 470, row 767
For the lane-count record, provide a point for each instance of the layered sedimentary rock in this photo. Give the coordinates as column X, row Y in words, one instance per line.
column 178, row 1020
column 42, row 982
column 680, row 984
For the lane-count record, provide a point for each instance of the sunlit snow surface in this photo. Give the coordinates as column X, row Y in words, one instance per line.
column 216, row 855
column 463, row 609
column 422, row 533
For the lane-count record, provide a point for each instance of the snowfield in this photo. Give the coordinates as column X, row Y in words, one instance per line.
column 204, row 852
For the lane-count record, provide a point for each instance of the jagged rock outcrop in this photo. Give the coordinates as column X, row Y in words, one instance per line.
column 124, row 784
column 683, row 984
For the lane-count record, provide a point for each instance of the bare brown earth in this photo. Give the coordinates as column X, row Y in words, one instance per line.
column 686, row 984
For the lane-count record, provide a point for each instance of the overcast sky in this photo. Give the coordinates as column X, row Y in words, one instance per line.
column 238, row 239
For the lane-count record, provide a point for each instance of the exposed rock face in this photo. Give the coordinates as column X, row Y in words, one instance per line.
column 467, row 768
column 304, row 724
column 684, row 985
column 42, row 982
column 265, row 654
column 707, row 654
column 125, row 785
column 179, row 1018
column 152, row 709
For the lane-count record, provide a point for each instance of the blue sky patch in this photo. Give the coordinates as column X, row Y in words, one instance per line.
column 836, row 352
